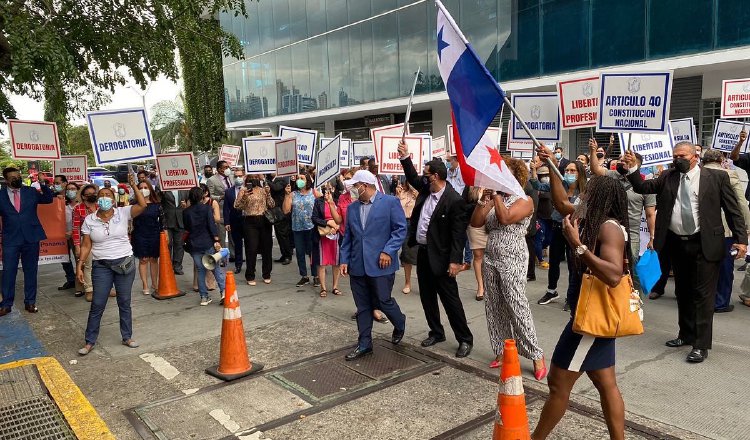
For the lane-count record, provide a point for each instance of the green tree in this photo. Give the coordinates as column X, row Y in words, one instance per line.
column 79, row 142
column 168, row 123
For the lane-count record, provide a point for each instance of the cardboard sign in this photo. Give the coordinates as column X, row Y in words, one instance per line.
column 656, row 149
column 176, row 171
column 683, row 130
column 328, row 162
column 495, row 133
column 426, row 146
column 727, row 134
column 735, row 98
column 541, row 112
column 120, row 136
column 54, row 248
column 231, row 154
column 635, row 102
column 346, row 150
column 579, row 102
column 438, row 147
column 306, row 142
column 360, row 150
column 260, row 154
column 72, row 167
column 388, row 151
column 286, row 158
column 32, row 140
column 388, row 130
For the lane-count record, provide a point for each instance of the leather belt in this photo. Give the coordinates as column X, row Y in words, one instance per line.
column 695, row 236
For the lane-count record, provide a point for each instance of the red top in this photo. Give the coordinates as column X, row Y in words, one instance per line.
column 79, row 214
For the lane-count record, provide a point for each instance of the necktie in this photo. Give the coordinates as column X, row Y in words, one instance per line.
column 686, row 207
column 226, row 182
column 17, row 200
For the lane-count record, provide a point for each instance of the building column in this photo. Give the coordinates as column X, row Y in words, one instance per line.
column 330, row 130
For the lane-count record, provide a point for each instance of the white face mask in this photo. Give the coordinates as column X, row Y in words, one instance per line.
column 145, row 192
column 544, row 179
column 354, row 193
column 227, row 172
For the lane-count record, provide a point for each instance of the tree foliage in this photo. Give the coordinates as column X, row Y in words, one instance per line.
column 168, row 123
column 79, row 142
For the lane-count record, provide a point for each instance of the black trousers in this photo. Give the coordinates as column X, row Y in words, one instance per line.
column 695, row 287
column 258, row 240
column 284, row 237
column 430, row 287
column 175, row 247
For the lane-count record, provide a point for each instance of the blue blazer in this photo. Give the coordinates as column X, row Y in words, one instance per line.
column 232, row 216
column 23, row 227
column 385, row 232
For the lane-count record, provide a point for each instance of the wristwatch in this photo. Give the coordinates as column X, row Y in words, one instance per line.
column 581, row 249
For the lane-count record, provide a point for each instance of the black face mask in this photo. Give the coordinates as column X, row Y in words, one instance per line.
column 15, row 183
column 621, row 169
column 425, row 180
column 91, row 198
column 208, row 174
column 682, row 165
column 599, row 155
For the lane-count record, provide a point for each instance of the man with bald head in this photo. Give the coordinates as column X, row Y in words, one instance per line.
column 690, row 200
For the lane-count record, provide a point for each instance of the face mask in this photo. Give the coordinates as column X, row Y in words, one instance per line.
column 121, row 191
column 146, row 192
column 558, row 156
column 544, row 179
column 620, row 168
column 682, row 165
column 227, row 172
column 425, row 180
column 15, row 183
column 301, row 184
column 91, row 198
column 238, row 181
column 571, row 178
column 58, row 188
column 208, row 174
column 599, row 155
column 71, row 194
column 354, row 193
column 105, row 203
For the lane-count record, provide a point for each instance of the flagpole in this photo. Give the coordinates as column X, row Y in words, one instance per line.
column 408, row 107
column 537, row 145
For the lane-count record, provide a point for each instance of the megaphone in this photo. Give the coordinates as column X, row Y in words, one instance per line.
column 210, row 261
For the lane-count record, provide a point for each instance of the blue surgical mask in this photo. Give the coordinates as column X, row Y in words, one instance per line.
column 238, row 181
column 571, row 178
column 558, row 156
column 58, row 188
column 104, row 203
column 71, row 194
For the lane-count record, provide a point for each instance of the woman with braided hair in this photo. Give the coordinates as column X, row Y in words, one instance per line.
column 596, row 229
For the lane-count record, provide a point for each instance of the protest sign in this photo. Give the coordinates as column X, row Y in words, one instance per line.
column 541, row 112
column 579, row 102
column 32, row 140
column 683, row 130
column 260, row 154
column 72, row 167
column 306, row 143
column 360, row 150
column 727, row 134
column 176, row 171
column 388, row 130
column 634, row 102
column 286, row 158
column 328, row 162
column 656, row 149
column 493, row 132
column 438, row 147
column 388, row 152
column 346, row 148
column 231, row 154
column 449, row 140
column 426, row 146
column 120, row 136
column 735, row 98
column 54, row 248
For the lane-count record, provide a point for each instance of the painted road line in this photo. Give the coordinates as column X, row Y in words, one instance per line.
column 18, row 340
column 226, row 421
column 160, row 365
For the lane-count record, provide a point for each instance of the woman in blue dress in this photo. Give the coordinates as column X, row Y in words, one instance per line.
column 145, row 237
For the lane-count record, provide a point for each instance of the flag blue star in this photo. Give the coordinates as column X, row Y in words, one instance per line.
column 441, row 44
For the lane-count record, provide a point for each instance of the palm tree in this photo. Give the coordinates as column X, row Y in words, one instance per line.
column 169, row 124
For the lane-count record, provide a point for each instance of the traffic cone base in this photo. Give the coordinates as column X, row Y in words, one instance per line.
column 214, row 371
column 167, row 288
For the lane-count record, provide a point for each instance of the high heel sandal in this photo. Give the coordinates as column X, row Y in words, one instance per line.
column 540, row 373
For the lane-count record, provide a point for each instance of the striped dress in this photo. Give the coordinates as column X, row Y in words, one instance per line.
column 505, row 264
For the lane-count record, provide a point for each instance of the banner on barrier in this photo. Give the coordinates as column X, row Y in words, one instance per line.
column 120, row 136
column 33, row 140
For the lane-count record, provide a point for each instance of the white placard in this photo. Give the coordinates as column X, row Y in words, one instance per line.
column 735, row 98
column 74, row 168
column 426, row 146
column 120, row 136
column 361, row 149
column 388, row 151
column 683, row 130
column 33, row 140
column 346, row 150
column 634, row 102
column 328, row 162
column 451, row 144
column 727, row 134
column 306, row 142
column 388, row 130
column 230, row 154
column 438, row 147
column 579, row 102
column 260, row 154
column 176, row 171
column 656, row 149
column 286, row 158
column 541, row 112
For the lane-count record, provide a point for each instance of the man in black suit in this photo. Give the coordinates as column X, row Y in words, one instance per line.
column 440, row 233
column 688, row 225
column 172, row 203
column 233, row 221
column 562, row 162
column 282, row 228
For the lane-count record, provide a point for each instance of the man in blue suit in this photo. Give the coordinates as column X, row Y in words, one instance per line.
column 375, row 230
column 22, row 233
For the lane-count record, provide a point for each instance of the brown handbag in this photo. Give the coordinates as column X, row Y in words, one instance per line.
column 325, row 230
column 608, row 312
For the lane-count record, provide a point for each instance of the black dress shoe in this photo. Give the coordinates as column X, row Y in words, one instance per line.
column 238, row 269
column 726, row 309
column 397, row 336
column 432, row 340
column 279, row 260
column 67, row 285
column 358, row 353
column 697, row 356
column 463, row 350
column 286, row 262
column 674, row 343
column 4, row 311
column 179, row 272
column 31, row 308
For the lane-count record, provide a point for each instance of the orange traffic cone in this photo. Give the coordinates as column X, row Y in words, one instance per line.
column 167, row 282
column 511, row 421
column 233, row 359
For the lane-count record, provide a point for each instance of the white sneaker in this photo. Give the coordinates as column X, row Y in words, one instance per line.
column 206, row 301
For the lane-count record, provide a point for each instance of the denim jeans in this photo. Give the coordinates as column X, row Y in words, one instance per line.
column 218, row 273
column 468, row 255
column 102, row 277
column 303, row 245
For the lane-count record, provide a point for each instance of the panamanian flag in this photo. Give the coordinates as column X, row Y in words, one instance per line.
column 475, row 99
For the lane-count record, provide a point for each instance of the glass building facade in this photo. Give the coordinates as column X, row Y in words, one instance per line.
column 306, row 55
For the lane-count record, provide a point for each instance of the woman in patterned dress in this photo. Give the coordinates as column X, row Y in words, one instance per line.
column 506, row 218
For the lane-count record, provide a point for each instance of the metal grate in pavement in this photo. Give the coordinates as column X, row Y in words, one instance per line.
column 324, row 378
column 21, row 383
column 37, row 418
column 386, row 363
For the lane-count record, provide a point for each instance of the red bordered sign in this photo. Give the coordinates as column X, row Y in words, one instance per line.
column 34, row 140
column 579, row 102
column 735, row 98
column 176, row 171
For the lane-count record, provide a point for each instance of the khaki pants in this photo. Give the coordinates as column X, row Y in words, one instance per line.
column 87, row 285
